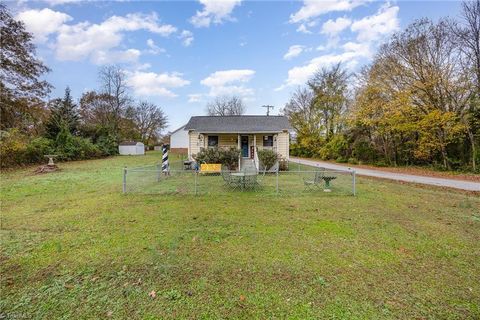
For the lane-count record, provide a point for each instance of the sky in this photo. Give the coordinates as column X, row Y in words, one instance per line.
column 182, row 54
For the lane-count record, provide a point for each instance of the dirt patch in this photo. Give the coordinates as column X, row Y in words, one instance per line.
column 46, row 169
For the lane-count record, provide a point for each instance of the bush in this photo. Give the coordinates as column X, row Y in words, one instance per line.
column 352, row 161
column 335, row 148
column 107, row 145
column 13, row 145
column 267, row 158
column 70, row 147
column 227, row 157
column 37, row 149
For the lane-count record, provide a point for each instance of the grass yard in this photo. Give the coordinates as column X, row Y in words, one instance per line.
column 73, row 246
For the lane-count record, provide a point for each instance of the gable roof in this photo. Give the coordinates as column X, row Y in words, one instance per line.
column 181, row 128
column 238, row 124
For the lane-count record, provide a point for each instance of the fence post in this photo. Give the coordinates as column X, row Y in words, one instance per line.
column 353, row 181
column 277, row 181
column 159, row 167
column 196, row 173
column 125, row 180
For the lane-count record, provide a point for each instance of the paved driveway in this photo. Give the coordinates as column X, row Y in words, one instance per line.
column 442, row 182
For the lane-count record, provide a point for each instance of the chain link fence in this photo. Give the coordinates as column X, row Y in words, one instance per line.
column 298, row 179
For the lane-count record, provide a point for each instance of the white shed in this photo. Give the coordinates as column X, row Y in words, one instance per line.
column 179, row 140
column 131, row 148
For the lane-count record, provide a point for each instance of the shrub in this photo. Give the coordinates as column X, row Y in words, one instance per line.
column 227, row 157
column 107, row 145
column 38, row 148
column 283, row 165
column 267, row 158
column 13, row 145
column 352, row 161
column 70, row 147
column 335, row 148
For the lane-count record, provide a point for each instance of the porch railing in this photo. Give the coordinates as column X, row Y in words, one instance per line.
column 256, row 161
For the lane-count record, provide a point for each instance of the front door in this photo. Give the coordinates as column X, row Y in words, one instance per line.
column 244, row 146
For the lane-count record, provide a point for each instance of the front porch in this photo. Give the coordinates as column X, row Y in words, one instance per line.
column 247, row 143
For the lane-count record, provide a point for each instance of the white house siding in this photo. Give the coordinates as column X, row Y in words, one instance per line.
column 179, row 140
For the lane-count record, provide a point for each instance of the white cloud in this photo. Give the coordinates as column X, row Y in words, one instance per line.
column 333, row 27
column 293, row 51
column 229, row 82
column 370, row 31
column 106, row 57
column 153, row 48
column 315, row 8
column 155, row 84
column 349, row 58
column 59, row 2
column 186, row 37
column 303, row 29
column 376, row 26
column 85, row 40
column 42, row 22
column 195, row 97
column 214, row 11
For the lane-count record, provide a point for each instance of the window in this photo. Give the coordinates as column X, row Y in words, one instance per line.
column 212, row 141
column 268, row 141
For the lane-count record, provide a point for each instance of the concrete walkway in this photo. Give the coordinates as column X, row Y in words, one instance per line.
column 441, row 182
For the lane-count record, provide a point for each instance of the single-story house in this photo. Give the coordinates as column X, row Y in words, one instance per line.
column 247, row 132
column 131, row 148
column 179, row 140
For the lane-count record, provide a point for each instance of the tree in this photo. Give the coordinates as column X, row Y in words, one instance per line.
column 149, row 120
column 21, row 90
column 468, row 37
column 115, row 96
column 424, row 63
column 63, row 114
column 330, row 89
column 226, row 106
column 305, row 120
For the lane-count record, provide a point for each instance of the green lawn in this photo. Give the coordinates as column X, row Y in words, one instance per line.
column 73, row 246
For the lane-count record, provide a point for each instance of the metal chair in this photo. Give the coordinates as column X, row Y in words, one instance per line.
column 315, row 182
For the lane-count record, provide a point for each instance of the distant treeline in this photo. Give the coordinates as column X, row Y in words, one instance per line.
column 31, row 126
column 417, row 103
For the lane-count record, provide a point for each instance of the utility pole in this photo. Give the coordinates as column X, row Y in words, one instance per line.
column 268, row 108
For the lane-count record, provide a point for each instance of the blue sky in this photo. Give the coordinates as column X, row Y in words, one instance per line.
column 182, row 54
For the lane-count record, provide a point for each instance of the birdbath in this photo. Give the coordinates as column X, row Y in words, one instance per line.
column 327, row 180
column 50, row 159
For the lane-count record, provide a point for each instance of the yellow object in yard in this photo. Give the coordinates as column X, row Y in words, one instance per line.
column 211, row 167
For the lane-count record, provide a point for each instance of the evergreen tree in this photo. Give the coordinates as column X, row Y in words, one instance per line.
column 63, row 114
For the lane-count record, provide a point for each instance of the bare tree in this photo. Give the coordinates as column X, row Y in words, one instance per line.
column 226, row 106
column 114, row 85
column 150, row 120
column 468, row 35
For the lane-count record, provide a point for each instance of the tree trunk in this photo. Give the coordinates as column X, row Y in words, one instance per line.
column 474, row 149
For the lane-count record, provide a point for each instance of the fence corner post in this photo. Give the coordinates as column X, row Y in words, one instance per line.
column 277, row 180
column 125, row 179
column 354, row 183
column 196, row 174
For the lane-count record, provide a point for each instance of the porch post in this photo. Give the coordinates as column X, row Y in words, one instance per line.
column 255, row 143
column 239, row 147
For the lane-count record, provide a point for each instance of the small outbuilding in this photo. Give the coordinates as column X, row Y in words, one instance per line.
column 131, row 148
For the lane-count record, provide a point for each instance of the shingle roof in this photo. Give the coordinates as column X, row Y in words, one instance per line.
column 238, row 124
column 128, row 143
